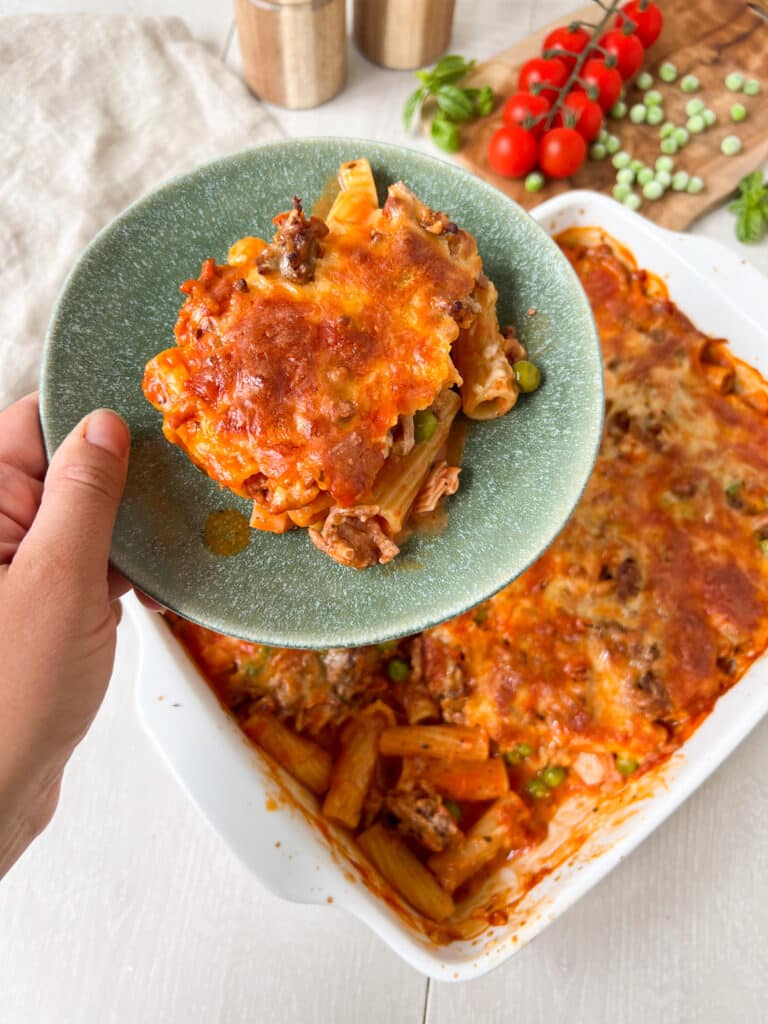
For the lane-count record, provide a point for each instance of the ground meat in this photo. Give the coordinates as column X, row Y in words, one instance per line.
column 421, row 814
column 295, row 247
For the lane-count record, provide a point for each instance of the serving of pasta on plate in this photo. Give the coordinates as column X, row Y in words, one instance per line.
column 319, row 375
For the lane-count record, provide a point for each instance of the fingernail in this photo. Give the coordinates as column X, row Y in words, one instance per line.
column 107, row 430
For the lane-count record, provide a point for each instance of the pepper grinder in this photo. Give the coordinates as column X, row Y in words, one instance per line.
column 403, row 34
column 294, row 51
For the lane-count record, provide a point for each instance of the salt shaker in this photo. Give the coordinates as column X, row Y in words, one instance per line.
column 294, row 51
column 403, row 33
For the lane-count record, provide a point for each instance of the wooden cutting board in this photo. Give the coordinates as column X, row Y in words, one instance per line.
column 708, row 38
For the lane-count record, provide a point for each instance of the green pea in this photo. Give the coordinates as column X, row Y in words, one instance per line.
column 731, row 145
column 764, row 547
column 681, row 135
column 553, row 775
column 664, row 178
column 612, row 144
column 710, row 117
column 597, row 151
column 424, row 425
column 664, row 163
column 652, row 98
column 620, row 191
column 638, row 113
column 644, row 175
column 534, row 182
column 537, row 789
column 626, row 765
column 734, row 81
column 655, row 116
column 618, row 110
column 752, row 87
column 636, row 165
column 518, row 753
column 633, row 201
column 667, row 72
column 398, row 670
column 695, row 185
column 602, row 135
column 696, row 124
column 527, row 375
column 644, row 80
column 690, row 83
column 625, row 176
column 694, row 106
column 666, row 129
column 669, row 146
column 453, row 809
column 653, row 190
column 621, row 159
column 738, row 112
column 680, row 180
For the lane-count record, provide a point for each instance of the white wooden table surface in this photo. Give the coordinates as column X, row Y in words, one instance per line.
column 130, row 910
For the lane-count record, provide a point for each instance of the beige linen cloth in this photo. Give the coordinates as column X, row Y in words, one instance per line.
column 97, row 110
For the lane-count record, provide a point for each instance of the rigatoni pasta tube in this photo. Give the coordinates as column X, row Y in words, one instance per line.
column 405, row 873
column 500, row 829
column 449, row 742
column 353, row 769
column 357, row 197
column 460, row 779
column 301, row 758
column 488, row 385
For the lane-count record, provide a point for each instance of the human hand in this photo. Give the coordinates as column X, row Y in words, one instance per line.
column 58, row 605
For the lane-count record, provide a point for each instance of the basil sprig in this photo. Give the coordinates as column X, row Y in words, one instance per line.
column 452, row 104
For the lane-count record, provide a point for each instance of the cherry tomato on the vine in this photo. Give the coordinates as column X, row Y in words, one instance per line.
column 512, row 151
column 561, row 152
column 647, row 17
column 627, row 50
column 563, row 39
column 586, row 114
column 522, row 107
column 606, row 80
column 550, row 75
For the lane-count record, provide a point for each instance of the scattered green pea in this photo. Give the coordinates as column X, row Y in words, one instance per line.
column 625, row 176
column 553, row 775
column 602, row 135
column 738, row 112
column 618, row 110
column 679, row 180
column 424, row 425
column 621, row 159
column 695, row 185
column 666, row 129
column 710, row 117
column 690, row 83
column 669, row 146
column 620, row 191
column 752, row 87
column 644, row 80
column 636, row 165
column 731, row 145
column 664, row 163
column 398, row 670
column 537, row 789
column 612, row 144
column 655, row 115
column 638, row 113
column 644, row 176
column 626, row 765
column 652, row 190
column 597, row 151
column 681, row 135
column 652, row 98
column 734, row 81
column 664, row 178
column 632, row 202
column 534, row 182
column 695, row 124
column 527, row 375
column 667, row 72
column 518, row 753
column 694, row 106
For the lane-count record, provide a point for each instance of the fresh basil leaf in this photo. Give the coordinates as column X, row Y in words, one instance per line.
column 412, row 104
column 445, row 134
column 750, row 226
column 484, row 101
column 450, row 69
column 454, row 103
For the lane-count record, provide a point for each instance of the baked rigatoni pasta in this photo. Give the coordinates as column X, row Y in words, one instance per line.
column 316, row 374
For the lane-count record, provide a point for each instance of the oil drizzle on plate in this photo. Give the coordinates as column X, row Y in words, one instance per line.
column 226, row 532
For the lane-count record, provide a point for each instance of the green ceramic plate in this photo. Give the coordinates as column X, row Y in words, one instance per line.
column 522, row 474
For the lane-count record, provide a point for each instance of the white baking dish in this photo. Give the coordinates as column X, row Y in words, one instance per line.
column 265, row 818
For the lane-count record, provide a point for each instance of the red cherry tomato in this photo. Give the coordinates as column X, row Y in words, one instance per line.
column 561, row 152
column 563, row 39
column 606, row 80
column 549, row 74
column 588, row 117
column 512, row 151
column 648, row 20
column 524, row 106
column 628, row 51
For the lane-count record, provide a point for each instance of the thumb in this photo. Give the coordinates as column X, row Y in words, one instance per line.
column 72, row 531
